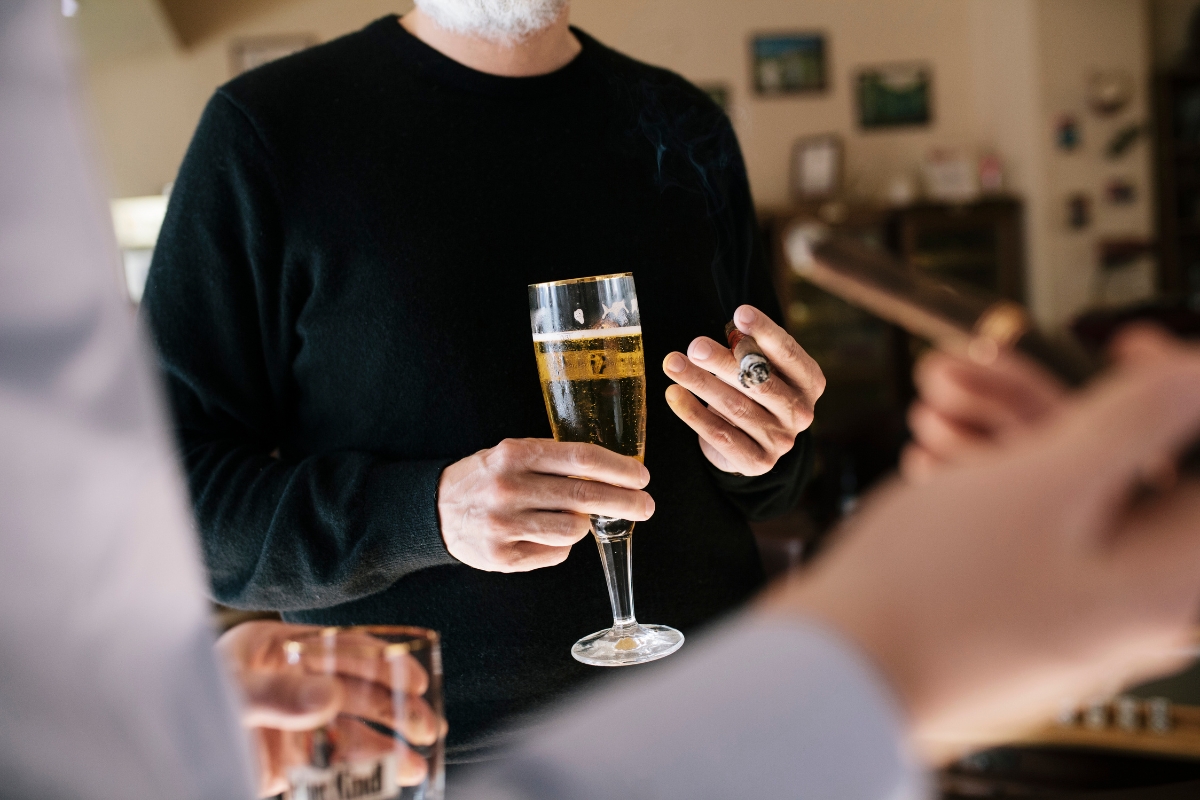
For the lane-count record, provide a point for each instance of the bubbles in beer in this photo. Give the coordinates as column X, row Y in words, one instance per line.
column 594, row 385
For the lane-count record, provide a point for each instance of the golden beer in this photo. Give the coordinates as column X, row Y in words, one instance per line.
column 594, row 385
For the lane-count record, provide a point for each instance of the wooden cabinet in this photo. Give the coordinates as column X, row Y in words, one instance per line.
column 860, row 425
column 978, row 244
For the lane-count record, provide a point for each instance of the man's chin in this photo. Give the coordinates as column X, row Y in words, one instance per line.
column 505, row 22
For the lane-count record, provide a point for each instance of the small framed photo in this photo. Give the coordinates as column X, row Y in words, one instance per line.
column 246, row 54
column 816, row 172
column 788, row 63
column 895, row 95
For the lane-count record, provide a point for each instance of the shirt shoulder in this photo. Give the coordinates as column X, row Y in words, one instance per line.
column 674, row 92
column 318, row 80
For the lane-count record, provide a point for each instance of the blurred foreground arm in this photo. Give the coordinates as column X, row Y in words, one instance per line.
column 972, row 603
column 109, row 687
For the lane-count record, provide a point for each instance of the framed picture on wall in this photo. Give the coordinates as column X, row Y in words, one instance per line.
column 788, row 63
column 246, row 54
column 816, row 172
column 895, row 95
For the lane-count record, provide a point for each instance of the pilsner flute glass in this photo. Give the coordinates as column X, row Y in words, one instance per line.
column 587, row 336
column 388, row 742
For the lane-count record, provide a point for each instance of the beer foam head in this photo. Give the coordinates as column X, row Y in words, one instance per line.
column 594, row 333
column 494, row 20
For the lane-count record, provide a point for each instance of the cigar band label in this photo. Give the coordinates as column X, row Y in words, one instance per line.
column 733, row 335
column 371, row 779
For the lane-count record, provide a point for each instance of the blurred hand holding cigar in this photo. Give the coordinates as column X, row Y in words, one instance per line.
column 747, row 402
column 995, row 375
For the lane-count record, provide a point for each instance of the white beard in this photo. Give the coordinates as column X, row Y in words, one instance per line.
column 494, row 20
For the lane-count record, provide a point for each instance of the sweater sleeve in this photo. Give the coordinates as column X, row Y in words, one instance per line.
column 279, row 532
column 778, row 491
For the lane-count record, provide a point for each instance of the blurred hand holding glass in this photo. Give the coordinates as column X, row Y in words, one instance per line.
column 587, row 337
column 387, row 740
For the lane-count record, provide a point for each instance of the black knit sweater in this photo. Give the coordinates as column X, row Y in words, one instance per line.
column 338, row 295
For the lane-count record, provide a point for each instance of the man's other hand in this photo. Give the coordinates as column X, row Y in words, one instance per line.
column 745, row 430
column 1039, row 572
column 520, row 505
column 964, row 407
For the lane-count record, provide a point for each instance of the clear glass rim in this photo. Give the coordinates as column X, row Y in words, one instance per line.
column 592, row 279
column 415, row 639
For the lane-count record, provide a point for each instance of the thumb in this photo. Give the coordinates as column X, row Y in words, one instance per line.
column 289, row 701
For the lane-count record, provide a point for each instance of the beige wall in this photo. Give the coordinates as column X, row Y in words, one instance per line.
column 1076, row 37
column 707, row 40
column 148, row 96
column 1003, row 71
column 147, row 91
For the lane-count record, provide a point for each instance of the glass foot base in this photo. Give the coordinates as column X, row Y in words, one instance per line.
column 620, row 647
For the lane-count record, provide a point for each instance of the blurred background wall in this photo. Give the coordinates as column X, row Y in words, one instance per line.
column 1002, row 71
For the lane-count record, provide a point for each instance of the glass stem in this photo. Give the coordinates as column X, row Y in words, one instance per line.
column 616, row 553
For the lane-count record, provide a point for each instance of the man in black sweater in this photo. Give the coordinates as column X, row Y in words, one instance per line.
column 338, row 294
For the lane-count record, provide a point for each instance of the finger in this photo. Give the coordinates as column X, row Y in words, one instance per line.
column 744, row 412
column 940, row 436
column 289, row 700
column 792, row 406
column 551, row 528
column 358, row 654
column 741, row 453
column 715, row 457
column 409, row 715
column 526, row 556
column 1142, row 342
column 1020, row 381
column 785, row 353
column 553, row 493
column 917, row 464
column 268, row 746
column 958, row 390
column 411, row 768
column 577, row 459
column 259, row 643
column 357, row 740
column 1008, row 391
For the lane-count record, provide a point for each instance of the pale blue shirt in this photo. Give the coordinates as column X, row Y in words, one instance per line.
column 759, row 708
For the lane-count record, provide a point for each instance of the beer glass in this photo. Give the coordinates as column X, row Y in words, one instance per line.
column 587, row 337
column 387, row 742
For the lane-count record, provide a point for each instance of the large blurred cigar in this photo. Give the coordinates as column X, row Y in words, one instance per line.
column 954, row 318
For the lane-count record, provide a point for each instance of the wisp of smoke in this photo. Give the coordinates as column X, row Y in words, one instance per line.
column 696, row 150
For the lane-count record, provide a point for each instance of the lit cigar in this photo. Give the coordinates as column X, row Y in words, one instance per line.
column 753, row 367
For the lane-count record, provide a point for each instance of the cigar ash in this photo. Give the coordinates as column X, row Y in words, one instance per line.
column 753, row 367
